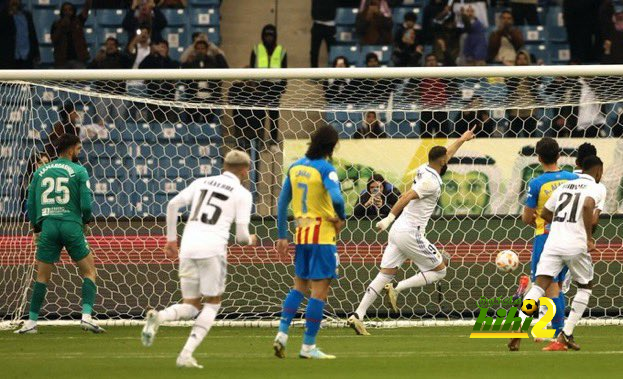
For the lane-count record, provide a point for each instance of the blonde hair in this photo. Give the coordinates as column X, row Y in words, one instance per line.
column 237, row 158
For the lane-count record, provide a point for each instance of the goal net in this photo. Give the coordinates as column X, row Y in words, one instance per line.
column 147, row 134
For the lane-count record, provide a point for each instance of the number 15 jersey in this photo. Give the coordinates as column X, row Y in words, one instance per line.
column 216, row 202
column 567, row 234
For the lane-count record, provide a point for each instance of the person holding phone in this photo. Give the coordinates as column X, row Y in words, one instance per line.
column 377, row 200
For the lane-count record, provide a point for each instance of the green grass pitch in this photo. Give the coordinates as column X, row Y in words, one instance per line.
column 439, row 352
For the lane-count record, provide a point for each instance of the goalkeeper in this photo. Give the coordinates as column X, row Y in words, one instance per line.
column 59, row 207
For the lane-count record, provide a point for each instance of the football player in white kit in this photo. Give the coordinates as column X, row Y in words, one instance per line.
column 406, row 237
column 216, row 202
column 571, row 211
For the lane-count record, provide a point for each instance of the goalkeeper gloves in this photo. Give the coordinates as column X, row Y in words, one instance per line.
column 386, row 222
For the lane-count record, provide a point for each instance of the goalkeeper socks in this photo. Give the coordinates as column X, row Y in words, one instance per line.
column 202, row 326
column 38, row 295
column 578, row 306
column 372, row 292
column 558, row 322
column 88, row 295
column 421, row 279
column 313, row 318
column 178, row 312
column 290, row 307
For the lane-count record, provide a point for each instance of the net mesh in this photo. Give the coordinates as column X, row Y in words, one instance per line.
column 143, row 141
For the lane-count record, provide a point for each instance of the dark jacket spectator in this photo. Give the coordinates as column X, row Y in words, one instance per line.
column 475, row 43
column 440, row 31
column 436, row 12
column 475, row 117
column 70, row 46
column 505, row 41
column 611, row 24
column 374, row 23
column 372, row 92
column 172, row 4
column 18, row 38
column 371, row 127
column 68, row 117
column 160, row 89
column 323, row 28
column 407, row 43
column 340, row 91
column 248, row 121
column 144, row 14
column 110, row 57
column 377, row 200
column 581, row 18
column 522, row 92
column 525, row 12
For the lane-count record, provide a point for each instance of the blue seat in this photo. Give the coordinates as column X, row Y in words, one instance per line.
column 152, row 205
column 112, row 205
column 90, row 36
column 201, row 167
column 14, row 94
column 101, row 149
column 205, row 17
column 9, row 206
column 554, row 17
column 208, row 150
column 557, row 34
column 104, row 167
column 351, row 52
column 138, row 133
column 177, row 37
column 342, row 116
column 402, row 129
column 166, row 186
column 383, row 52
column 55, row 4
column 169, row 132
column 534, row 34
column 203, row 133
column 345, row 129
column 539, row 52
column 102, row 34
column 560, row 53
column 105, row 186
column 214, row 3
column 47, row 55
column 345, row 34
column 346, row 16
column 176, row 17
column 398, row 14
column 110, row 17
column 43, row 19
column 214, row 34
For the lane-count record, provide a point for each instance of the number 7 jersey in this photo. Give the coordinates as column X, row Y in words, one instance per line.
column 216, row 202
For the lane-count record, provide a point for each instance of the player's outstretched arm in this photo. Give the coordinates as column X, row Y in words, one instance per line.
column 402, row 202
column 285, row 197
column 467, row 136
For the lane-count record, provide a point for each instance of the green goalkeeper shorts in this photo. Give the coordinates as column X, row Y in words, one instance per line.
column 55, row 235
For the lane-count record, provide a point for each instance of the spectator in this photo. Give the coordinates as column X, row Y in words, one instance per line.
column 524, row 12
column 564, row 90
column 323, row 28
column 475, row 117
column 377, row 200
column 160, row 89
column 248, row 121
column 475, row 43
column 505, row 42
column 372, row 92
column 339, row 91
column 581, row 19
column 172, row 4
column 204, row 91
column 269, row 54
column 213, row 50
column 611, row 24
column 70, row 46
column 67, row 123
column 139, row 46
column 436, row 13
column 110, row 57
column 407, row 44
column 18, row 38
column 144, row 14
column 522, row 91
column 374, row 23
column 370, row 127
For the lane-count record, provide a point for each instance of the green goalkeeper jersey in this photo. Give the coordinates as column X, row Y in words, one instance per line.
column 59, row 190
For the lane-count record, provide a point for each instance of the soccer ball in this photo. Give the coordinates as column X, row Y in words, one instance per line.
column 528, row 307
column 507, row 261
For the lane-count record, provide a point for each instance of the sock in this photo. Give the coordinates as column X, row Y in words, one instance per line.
column 558, row 322
column 373, row 290
column 578, row 306
column 88, row 295
column 421, row 279
column 535, row 293
column 38, row 295
column 290, row 307
column 202, row 326
column 178, row 312
column 313, row 318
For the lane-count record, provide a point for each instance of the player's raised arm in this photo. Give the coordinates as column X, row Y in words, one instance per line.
column 467, row 136
column 285, row 197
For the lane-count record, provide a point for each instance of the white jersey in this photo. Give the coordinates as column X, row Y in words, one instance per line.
column 217, row 202
column 427, row 184
column 600, row 187
column 567, row 234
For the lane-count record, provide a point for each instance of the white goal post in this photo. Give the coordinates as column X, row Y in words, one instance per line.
column 147, row 133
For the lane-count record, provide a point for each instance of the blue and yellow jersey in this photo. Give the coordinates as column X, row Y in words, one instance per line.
column 313, row 187
column 539, row 191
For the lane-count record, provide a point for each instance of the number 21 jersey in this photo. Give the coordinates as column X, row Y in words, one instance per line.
column 216, row 202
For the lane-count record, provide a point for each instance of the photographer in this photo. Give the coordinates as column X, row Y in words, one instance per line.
column 505, row 42
column 377, row 200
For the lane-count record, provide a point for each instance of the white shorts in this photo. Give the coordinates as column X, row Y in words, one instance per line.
column 410, row 245
column 203, row 277
column 580, row 266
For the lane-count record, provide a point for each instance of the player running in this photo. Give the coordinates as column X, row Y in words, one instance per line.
column 312, row 185
column 59, row 209
column 539, row 191
column 571, row 212
column 406, row 237
column 216, row 202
